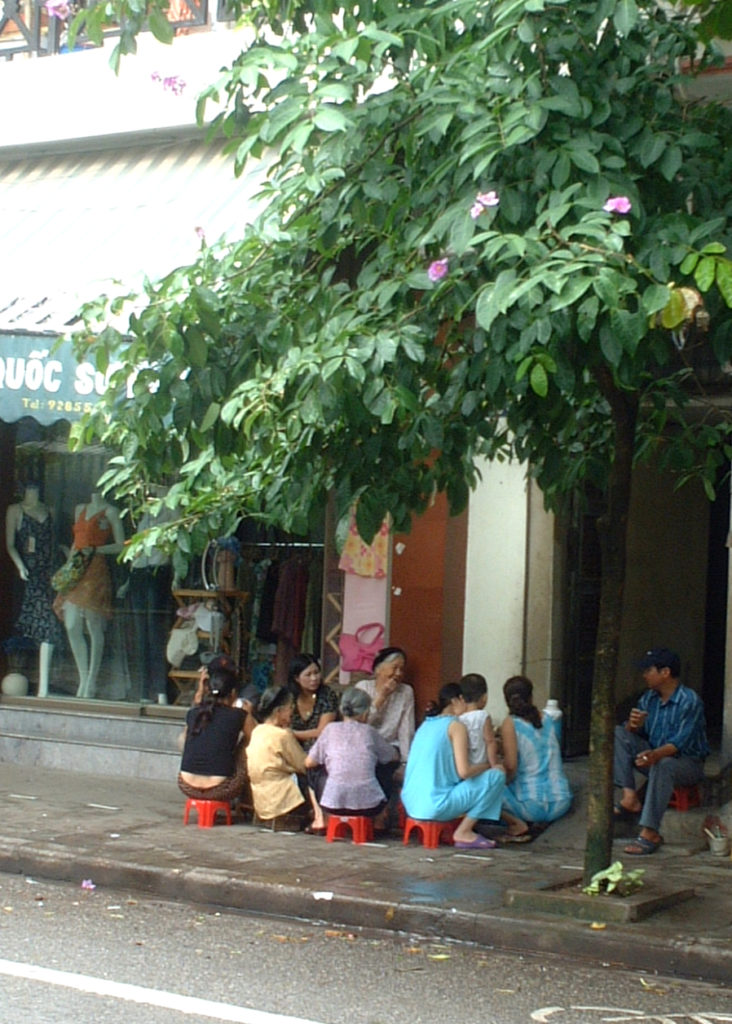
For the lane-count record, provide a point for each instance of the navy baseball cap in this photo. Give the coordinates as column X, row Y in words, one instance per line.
column 661, row 657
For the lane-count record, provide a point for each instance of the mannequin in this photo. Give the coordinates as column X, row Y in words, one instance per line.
column 97, row 525
column 30, row 544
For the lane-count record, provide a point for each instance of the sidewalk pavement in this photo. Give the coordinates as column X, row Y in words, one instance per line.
column 130, row 835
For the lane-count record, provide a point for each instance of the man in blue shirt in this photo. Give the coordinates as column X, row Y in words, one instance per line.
column 664, row 739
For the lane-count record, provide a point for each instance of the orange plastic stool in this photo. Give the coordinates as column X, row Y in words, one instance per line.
column 430, row 832
column 685, row 797
column 207, row 811
column 362, row 828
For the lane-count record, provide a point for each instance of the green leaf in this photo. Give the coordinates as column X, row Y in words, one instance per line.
column 606, row 289
column 584, row 160
column 539, row 380
column 611, row 347
column 704, row 273
column 724, row 280
column 689, row 263
column 160, row 27
column 212, row 414
column 671, row 163
column 575, row 287
column 655, row 298
column 491, row 298
column 674, row 312
column 625, row 17
column 628, row 328
column 461, row 233
column 197, row 348
column 331, row 119
column 652, row 147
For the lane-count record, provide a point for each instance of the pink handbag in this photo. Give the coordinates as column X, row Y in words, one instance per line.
column 358, row 653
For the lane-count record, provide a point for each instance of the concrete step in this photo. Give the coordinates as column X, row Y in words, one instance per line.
column 127, row 741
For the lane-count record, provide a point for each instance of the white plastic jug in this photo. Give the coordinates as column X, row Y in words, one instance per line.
column 553, row 711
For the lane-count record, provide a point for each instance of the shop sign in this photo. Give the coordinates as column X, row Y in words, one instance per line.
column 40, row 377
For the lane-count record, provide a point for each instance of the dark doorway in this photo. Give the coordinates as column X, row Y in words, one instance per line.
column 582, row 606
column 716, row 613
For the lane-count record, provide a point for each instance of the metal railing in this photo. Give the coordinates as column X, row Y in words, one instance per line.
column 27, row 28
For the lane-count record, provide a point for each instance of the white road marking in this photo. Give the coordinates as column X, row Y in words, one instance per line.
column 618, row 1014
column 149, row 996
column 103, row 807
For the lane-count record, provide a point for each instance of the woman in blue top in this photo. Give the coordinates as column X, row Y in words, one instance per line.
column 440, row 783
column 537, row 789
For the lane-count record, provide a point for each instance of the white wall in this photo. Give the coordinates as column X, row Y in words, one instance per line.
column 75, row 96
column 495, row 579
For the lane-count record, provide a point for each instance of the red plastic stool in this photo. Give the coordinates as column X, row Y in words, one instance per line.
column 362, row 828
column 685, row 797
column 430, row 832
column 207, row 811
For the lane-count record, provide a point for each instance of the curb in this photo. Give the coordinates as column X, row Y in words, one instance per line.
column 540, row 934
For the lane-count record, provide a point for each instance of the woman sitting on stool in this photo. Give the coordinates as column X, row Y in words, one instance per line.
column 537, row 791
column 440, row 783
column 213, row 766
column 350, row 751
column 274, row 756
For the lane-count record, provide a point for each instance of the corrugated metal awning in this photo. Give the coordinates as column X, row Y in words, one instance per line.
column 73, row 223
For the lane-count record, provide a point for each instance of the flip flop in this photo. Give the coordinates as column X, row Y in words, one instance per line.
column 642, row 847
column 621, row 813
column 479, row 843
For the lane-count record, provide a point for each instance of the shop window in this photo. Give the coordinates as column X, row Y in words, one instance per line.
column 106, row 635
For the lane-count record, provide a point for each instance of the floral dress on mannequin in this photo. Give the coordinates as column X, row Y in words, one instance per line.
column 34, row 540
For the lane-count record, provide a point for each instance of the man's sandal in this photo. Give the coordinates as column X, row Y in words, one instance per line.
column 642, row 847
column 621, row 813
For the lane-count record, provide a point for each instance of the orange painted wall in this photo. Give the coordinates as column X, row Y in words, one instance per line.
column 427, row 599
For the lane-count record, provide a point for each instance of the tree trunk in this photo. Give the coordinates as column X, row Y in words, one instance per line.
column 612, row 528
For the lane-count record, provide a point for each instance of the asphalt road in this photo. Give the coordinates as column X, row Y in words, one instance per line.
column 89, row 956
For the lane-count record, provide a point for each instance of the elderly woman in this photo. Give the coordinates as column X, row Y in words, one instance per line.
column 213, row 766
column 274, row 756
column 316, row 706
column 350, row 752
column 392, row 701
column 440, row 782
column 537, row 790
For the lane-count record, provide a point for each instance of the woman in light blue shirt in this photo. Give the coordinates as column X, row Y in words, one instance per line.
column 537, row 790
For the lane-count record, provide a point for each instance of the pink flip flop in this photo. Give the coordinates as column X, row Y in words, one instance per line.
column 479, row 843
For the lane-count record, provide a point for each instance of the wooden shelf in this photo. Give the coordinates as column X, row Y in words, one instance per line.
column 230, row 603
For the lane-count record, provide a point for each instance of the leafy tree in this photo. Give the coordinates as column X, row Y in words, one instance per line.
column 714, row 18
column 492, row 229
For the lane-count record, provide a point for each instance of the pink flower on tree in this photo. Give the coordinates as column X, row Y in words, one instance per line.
column 438, row 269
column 617, row 204
column 58, row 9
column 483, row 201
column 171, row 83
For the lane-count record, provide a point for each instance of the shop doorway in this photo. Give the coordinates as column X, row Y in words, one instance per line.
column 676, row 595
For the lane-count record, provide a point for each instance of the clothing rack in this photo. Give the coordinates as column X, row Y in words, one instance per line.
column 284, row 544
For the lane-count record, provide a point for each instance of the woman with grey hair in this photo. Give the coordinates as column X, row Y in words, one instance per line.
column 349, row 751
column 392, row 700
